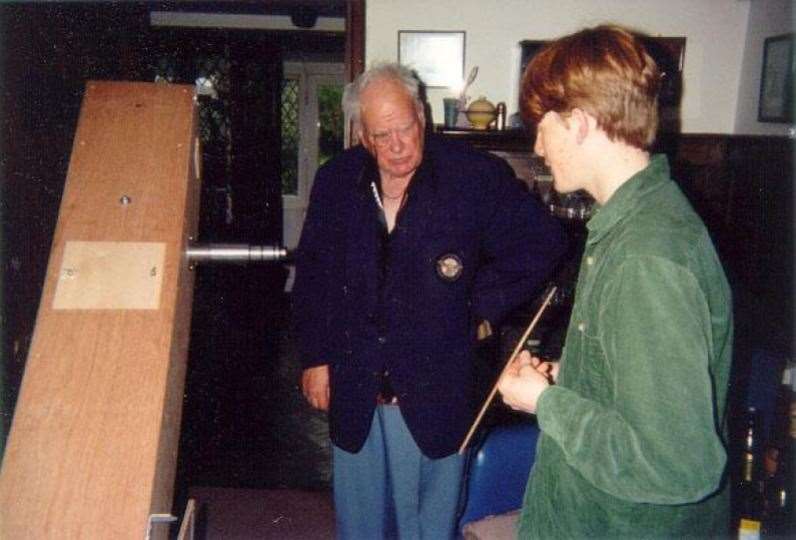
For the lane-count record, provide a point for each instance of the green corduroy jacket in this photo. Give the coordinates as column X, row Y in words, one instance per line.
column 633, row 433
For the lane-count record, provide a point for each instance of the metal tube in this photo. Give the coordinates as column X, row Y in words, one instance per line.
column 234, row 253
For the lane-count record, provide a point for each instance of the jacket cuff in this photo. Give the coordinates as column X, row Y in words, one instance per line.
column 548, row 411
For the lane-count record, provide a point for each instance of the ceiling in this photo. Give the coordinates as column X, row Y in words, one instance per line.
column 326, row 42
column 321, row 8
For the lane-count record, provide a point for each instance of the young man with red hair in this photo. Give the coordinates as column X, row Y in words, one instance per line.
column 633, row 415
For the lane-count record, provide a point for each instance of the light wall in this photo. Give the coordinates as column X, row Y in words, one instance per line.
column 766, row 18
column 715, row 32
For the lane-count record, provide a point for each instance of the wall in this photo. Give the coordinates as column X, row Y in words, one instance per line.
column 714, row 30
column 766, row 18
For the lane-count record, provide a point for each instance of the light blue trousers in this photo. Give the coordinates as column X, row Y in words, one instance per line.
column 389, row 489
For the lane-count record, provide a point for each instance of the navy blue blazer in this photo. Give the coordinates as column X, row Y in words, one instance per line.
column 364, row 305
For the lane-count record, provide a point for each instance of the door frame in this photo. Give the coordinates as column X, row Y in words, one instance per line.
column 310, row 76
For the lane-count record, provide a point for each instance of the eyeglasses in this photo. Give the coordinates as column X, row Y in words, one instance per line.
column 382, row 138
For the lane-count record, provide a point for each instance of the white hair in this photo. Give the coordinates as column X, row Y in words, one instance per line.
column 352, row 106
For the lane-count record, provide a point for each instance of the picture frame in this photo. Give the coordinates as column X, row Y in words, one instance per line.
column 436, row 56
column 776, row 81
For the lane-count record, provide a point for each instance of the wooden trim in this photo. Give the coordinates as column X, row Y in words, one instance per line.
column 354, row 51
column 354, row 39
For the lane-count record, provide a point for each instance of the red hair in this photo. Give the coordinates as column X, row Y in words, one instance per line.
column 605, row 71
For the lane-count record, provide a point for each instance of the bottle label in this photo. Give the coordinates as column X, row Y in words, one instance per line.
column 748, row 466
column 749, row 529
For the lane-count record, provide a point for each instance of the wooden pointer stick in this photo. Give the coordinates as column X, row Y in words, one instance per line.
column 520, row 343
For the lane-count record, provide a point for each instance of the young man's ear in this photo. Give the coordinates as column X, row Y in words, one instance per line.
column 583, row 124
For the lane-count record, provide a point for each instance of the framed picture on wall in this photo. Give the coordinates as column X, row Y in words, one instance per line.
column 776, row 82
column 437, row 57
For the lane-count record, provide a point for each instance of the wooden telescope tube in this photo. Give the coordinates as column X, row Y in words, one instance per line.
column 92, row 448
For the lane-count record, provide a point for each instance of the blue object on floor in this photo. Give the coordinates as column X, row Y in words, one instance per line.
column 498, row 470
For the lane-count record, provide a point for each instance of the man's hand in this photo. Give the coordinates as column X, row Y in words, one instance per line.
column 549, row 369
column 315, row 386
column 524, row 381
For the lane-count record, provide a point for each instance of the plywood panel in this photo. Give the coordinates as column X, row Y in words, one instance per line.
column 93, row 443
column 110, row 275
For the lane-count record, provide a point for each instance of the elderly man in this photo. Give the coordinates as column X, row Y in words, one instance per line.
column 633, row 430
column 409, row 242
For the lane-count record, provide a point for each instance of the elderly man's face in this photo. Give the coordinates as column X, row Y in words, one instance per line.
column 392, row 129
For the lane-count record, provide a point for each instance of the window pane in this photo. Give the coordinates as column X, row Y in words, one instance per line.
column 290, row 136
column 330, row 113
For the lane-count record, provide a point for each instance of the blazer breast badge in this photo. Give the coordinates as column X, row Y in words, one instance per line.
column 449, row 267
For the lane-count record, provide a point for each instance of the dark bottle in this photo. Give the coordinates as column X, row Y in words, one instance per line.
column 748, row 492
column 778, row 515
column 750, row 448
column 777, row 504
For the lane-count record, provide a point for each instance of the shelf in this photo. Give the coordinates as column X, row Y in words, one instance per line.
column 506, row 140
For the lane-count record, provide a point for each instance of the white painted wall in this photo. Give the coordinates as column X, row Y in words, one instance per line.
column 767, row 18
column 715, row 32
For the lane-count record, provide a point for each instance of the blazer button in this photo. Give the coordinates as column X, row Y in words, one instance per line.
column 382, row 340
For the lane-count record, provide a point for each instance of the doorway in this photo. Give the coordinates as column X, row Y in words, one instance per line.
column 312, row 133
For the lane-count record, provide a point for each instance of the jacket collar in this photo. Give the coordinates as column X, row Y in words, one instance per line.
column 624, row 201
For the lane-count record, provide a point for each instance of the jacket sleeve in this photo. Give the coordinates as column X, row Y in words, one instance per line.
column 658, row 440
column 520, row 245
column 314, row 268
